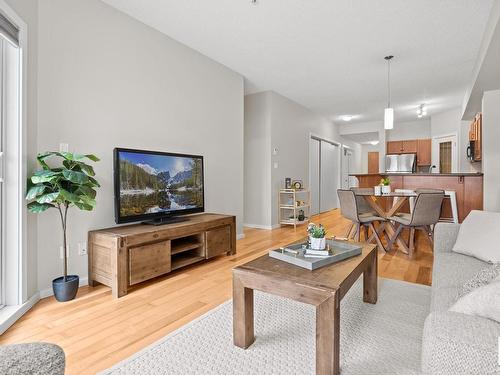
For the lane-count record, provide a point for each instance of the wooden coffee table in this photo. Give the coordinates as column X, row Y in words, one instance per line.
column 323, row 288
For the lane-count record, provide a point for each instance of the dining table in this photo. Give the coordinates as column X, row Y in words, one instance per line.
column 379, row 203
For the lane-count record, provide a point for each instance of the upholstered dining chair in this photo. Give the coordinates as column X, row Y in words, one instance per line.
column 425, row 215
column 363, row 208
column 350, row 210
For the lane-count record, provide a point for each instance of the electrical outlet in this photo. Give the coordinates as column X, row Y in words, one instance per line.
column 61, row 252
column 82, row 248
column 275, row 165
column 63, row 147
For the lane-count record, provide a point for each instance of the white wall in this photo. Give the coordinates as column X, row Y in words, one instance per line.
column 28, row 11
column 450, row 122
column 106, row 80
column 257, row 160
column 291, row 126
column 491, row 150
column 418, row 129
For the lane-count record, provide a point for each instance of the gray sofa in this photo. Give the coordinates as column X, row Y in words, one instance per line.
column 455, row 343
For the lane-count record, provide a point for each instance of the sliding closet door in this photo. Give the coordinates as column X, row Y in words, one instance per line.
column 314, row 174
column 329, row 172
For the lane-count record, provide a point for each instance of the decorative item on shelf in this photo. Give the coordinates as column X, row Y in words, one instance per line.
column 288, row 183
column 70, row 183
column 386, row 185
column 377, row 190
column 297, row 184
column 300, row 203
column 301, row 215
column 317, row 235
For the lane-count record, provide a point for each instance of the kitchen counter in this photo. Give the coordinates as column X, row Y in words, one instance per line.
column 468, row 187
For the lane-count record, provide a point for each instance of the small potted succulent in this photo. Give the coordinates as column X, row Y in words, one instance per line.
column 317, row 234
column 386, row 185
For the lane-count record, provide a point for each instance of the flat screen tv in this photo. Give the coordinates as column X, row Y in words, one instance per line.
column 156, row 187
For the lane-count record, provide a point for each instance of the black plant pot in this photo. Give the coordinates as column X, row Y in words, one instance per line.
column 65, row 288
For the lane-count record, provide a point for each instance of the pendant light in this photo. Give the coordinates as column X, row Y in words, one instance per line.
column 389, row 111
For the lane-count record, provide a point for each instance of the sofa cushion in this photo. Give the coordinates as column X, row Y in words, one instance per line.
column 452, row 269
column 477, row 236
column 483, row 302
column 483, row 277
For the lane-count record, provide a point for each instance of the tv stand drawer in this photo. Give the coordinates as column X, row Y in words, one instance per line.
column 149, row 261
column 218, row 241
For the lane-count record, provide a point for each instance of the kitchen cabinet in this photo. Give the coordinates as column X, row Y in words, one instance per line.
column 421, row 147
column 409, row 147
column 394, row 147
column 475, row 137
column 424, row 156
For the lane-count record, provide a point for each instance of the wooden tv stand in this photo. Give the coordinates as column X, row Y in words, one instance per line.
column 123, row 256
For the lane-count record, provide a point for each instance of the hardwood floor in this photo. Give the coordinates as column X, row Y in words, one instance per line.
column 96, row 331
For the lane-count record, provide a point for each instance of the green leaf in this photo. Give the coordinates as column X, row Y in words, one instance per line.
column 87, row 200
column 87, row 169
column 69, row 197
column 34, row 191
column 85, row 190
column 84, row 206
column 44, row 176
column 93, row 182
column 39, row 207
column 75, row 177
column 48, row 198
column 92, row 157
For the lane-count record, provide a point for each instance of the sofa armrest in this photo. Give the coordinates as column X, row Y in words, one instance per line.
column 445, row 236
column 459, row 344
column 37, row 358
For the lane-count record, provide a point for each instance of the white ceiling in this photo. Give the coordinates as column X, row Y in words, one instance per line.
column 328, row 54
column 362, row 138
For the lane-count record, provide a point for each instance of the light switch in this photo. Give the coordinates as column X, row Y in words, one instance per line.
column 63, row 147
column 275, row 165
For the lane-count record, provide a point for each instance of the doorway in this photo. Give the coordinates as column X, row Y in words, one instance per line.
column 347, row 167
column 444, row 153
column 324, row 168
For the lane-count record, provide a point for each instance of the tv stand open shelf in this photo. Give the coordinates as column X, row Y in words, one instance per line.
column 124, row 256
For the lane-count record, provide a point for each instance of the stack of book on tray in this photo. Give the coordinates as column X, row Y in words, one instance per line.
column 310, row 253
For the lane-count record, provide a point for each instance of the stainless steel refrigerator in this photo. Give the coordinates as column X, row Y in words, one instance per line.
column 403, row 163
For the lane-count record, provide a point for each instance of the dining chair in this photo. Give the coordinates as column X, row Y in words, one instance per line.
column 350, row 210
column 363, row 206
column 425, row 215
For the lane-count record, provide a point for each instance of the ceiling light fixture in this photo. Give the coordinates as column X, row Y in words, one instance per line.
column 347, row 118
column 389, row 111
column 374, row 143
column 421, row 111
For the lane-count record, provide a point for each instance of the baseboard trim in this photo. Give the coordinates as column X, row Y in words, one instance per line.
column 44, row 293
column 258, row 226
column 10, row 314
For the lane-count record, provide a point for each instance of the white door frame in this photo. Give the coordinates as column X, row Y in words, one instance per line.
column 436, row 140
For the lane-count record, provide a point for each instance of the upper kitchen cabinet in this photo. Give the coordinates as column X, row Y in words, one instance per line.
column 409, row 147
column 474, row 151
column 394, row 147
column 424, row 147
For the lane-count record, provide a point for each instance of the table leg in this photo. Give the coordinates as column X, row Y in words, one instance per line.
column 243, row 331
column 328, row 336
column 370, row 280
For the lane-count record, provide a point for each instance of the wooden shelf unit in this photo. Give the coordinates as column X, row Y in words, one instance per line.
column 124, row 256
column 285, row 208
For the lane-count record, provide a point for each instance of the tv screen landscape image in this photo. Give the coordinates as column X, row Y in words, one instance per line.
column 151, row 185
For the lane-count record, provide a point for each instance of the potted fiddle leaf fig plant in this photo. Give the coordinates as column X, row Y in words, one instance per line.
column 67, row 183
